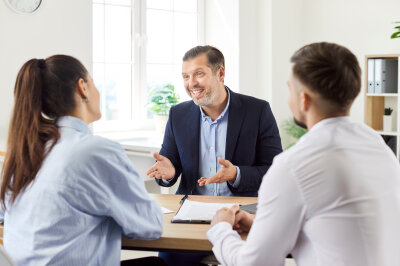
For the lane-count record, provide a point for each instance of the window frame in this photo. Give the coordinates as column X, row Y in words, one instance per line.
column 139, row 69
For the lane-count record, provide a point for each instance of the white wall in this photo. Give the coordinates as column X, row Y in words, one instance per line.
column 287, row 34
column 363, row 26
column 269, row 32
column 221, row 30
column 59, row 26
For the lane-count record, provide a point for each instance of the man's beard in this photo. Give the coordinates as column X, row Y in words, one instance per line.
column 299, row 123
column 208, row 98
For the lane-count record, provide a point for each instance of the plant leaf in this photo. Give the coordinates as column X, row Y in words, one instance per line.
column 395, row 35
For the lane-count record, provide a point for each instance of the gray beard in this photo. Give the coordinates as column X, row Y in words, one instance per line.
column 206, row 101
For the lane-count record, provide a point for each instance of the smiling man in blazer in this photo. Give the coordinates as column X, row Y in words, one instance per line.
column 222, row 142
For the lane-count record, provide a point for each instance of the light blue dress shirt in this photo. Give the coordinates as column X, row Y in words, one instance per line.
column 85, row 196
column 212, row 146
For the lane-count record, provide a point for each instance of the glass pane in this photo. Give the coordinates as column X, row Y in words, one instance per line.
column 185, row 5
column 178, row 82
column 98, row 32
column 185, row 34
column 119, row 2
column 117, row 92
column 159, row 4
column 160, row 36
column 159, row 74
column 98, row 79
column 118, row 34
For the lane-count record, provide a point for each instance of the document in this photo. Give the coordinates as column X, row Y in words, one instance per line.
column 198, row 212
column 165, row 210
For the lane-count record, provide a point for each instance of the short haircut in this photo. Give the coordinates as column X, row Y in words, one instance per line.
column 330, row 70
column 214, row 56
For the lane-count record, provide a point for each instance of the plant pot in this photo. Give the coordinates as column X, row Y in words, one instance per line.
column 161, row 123
column 387, row 123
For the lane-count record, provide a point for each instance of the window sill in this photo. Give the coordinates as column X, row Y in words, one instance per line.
column 138, row 142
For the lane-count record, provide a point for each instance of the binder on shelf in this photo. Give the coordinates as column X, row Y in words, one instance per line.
column 371, row 75
column 386, row 74
column 378, row 75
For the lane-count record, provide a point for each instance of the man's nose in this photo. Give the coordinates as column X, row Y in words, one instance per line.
column 192, row 81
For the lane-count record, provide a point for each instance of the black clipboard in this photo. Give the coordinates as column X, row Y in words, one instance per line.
column 250, row 208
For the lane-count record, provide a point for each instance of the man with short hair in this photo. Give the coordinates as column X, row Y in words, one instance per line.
column 221, row 143
column 334, row 197
column 222, row 139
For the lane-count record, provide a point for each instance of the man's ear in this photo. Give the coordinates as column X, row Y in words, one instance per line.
column 305, row 101
column 221, row 74
column 81, row 88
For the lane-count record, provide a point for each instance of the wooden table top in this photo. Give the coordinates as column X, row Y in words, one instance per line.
column 178, row 236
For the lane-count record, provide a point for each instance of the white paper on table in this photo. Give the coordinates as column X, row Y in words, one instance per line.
column 199, row 211
column 165, row 210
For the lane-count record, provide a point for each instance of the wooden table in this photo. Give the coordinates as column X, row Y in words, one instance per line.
column 178, row 236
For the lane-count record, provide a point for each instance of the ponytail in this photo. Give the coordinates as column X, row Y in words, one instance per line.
column 43, row 92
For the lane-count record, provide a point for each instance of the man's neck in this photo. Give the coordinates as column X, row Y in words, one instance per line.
column 314, row 118
column 215, row 110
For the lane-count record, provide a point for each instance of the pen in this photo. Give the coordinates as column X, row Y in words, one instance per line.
column 183, row 199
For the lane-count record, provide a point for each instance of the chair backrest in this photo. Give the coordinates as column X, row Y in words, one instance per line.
column 5, row 260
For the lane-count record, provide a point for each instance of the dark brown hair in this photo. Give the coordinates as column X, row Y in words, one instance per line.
column 214, row 56
column 44, row 90
column 330, row 70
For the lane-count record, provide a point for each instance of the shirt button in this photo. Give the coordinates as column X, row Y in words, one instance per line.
column 211, row 148
column 213, row 191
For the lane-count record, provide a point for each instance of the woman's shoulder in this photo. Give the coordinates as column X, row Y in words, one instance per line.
column 97, row 146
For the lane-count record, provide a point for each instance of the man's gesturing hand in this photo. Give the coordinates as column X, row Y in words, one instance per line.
column 227, row 172
column 162, row 169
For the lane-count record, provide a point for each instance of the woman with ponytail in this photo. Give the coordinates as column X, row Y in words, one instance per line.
column 67, row 195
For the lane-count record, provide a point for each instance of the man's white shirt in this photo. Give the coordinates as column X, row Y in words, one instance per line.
column 332, row 199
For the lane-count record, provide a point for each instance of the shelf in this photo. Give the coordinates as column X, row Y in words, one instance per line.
column 383, row 94
column 375, row 103
column 387, row 133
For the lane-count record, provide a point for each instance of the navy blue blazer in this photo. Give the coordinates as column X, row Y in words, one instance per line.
column 252, row 142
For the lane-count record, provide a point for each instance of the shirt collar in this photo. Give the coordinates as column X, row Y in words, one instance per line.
column 330, row 120
column 73, row 122
column 206, row 117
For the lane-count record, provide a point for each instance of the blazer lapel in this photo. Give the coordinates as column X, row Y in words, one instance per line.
column 235, row 121
column 191, row 145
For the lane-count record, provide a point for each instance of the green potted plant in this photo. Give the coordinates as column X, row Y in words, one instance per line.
column 293, row 131
column 161, row 99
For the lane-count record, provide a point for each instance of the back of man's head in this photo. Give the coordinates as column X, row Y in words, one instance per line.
column 214, row 56
column 331, row 71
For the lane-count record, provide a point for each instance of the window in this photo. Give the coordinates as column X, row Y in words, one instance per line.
column 136, row 45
